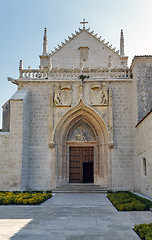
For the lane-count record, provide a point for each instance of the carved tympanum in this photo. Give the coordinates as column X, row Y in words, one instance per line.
column 81, row 131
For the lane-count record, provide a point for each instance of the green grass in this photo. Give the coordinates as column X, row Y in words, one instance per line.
column 144, row 231
column 127, row 201
column 23, row 198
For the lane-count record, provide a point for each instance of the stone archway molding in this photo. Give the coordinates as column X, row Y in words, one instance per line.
column 102, row 162
column 81, row 110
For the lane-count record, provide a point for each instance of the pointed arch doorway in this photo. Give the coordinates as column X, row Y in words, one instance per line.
column 81, row 129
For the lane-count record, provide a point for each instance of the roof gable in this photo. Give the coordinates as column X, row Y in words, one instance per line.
column 84, row 47
column 73, row 35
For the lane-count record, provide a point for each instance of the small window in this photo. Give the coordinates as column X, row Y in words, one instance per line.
column 144, row 166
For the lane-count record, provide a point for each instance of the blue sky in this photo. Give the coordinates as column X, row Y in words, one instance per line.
column 22, row 24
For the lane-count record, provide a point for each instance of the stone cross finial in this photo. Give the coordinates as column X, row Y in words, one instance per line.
column 122, row 43
column 21, row 68
column 45, row 42
column 21, row 64
column 83, row 23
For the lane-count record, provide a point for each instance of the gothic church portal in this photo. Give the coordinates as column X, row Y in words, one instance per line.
column 79, row 118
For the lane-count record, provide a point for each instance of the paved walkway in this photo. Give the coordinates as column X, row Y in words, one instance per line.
column 70, row 217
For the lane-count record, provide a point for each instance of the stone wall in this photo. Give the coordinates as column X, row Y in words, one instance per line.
column 5, row 175
column 6, row 117
column 44, row 116
column 122, row 160
column 13, row 146
column 143, row 156
column 40, row 161
column 25, row 144
column 142, row 77
column 34, row 117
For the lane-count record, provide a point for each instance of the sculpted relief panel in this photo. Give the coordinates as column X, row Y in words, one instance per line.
column 62, row 94
column 100, row 98
column 81, row 131
column 98, row 94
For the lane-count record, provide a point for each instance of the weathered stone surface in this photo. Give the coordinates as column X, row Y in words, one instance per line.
column 6, row 117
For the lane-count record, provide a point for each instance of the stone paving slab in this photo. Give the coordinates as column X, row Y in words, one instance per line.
column 70, row 217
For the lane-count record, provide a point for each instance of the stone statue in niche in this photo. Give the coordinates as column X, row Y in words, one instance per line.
column 104, row 94
column 62, row 94
column 57, row 97
column 98, row 94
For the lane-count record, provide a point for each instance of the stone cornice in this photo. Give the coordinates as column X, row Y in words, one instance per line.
column 50, row 80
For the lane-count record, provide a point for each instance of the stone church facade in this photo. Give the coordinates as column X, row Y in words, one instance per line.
column 83, row 116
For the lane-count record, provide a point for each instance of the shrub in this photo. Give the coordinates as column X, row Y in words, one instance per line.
column 127, row 201
column 145, row 201
column 7, row 198
column 144, row 231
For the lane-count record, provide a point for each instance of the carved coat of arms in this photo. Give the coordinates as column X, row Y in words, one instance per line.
column 62, row 94
column 98, row 94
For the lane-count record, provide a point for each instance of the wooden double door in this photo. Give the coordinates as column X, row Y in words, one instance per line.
column 81, row 164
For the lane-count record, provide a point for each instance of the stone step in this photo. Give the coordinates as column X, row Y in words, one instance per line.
column 79, row 191
column 80, row 188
